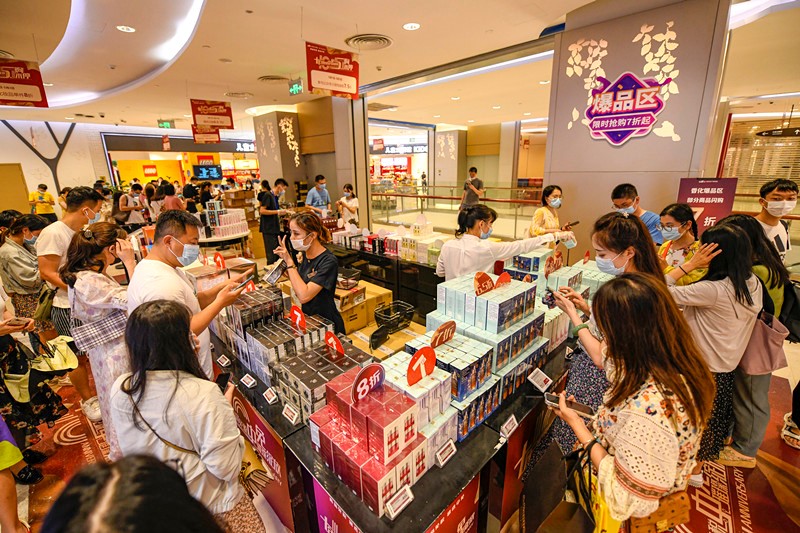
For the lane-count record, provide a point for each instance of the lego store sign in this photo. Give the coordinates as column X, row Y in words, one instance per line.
column 625, row 108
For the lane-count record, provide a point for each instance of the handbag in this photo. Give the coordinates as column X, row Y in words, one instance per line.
column 56, row 356
column 764, row 353
column 46, row 297
column 582, row 483
column 17, row 386
column 673, row 510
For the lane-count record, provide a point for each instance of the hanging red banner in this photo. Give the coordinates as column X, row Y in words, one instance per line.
column 21, row 84
column 331, row 72
column 212, row 113
column 205, row 134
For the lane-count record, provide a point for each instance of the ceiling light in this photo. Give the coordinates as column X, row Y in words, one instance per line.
column 544, row 82
column 241, row 95
column 455, row 98
column 392, row 109
column 526, row 114
column 495, row 107
column 540, row 119
column 225, row 60
column 69, row 118
column 758, row 115
column 437, row 116
column 470, row 121
column 187, row 116
column 126, row 29
column 411, row 26
column 47, row 84
column 779, row 95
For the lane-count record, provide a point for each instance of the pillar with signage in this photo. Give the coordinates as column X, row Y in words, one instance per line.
column 635, row 86
column 450, row 156
column 278, row 148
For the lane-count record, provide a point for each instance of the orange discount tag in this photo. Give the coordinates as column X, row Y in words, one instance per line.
column 443, row 334
column 298, row 318
column 335, row 348
column 483, row 283
column 504, row 279
column 219, row 261
column 422, row 364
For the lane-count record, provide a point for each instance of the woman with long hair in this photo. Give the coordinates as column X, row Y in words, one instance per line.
column 314, row 278
column 545, row 219
column 472, row 251
column 171, row 200
column 100, row 304
column 721, row 310
column 166, row 407
column 649, row 425
column 19, row 269
column 347, row 205
column 679, row 231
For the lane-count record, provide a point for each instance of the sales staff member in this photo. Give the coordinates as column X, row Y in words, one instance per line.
column 471, row 251
column 270, row 224
column 318, row 198
column 314, row 280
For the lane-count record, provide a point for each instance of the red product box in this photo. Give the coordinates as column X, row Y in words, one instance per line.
column 404, row 468
column 378, row 484
column 419, row 458
column 342, row 444
column 408, row 410
column 360, row 413
column 342, row 404
column 327, row 434
column 384, row 435
column 335, row 386
column 316, row 422
column 384, row 395
column 357, row 457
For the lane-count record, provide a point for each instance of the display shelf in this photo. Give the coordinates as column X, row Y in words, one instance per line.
column 437, row 489
column 237, row 237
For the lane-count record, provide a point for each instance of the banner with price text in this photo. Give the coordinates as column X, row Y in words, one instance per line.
column 711, row 200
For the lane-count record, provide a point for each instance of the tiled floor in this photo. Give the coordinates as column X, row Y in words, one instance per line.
column 792, row 372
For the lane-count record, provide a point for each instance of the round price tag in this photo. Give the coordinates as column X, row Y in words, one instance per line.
column 483, row 283
column 298, row 318
column 443, row 334
column 335, row 348
column 219, row 261
column 503, row 279
column 421, row 365
column 368, row 379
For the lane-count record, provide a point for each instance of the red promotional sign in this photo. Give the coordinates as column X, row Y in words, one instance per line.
column 21, row 84
column 504, row 279
column 335, row 348
column 205, row 134
column 421, row 365
column 212, row 113
column 250, row 286
column 205, row 159
column 368, row 379
column 483, row 283
column 462, row 514
column 150, row 171
column 331, row 72
column 711, row 200
column 165, row 143
column 586, row 257
column 330, row 515
column 377, row 144
column 443, row 334
column 298, row 318
column 219, row 261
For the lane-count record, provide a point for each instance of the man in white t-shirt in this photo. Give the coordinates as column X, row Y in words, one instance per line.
column 83, row 206
column 778, row 199
column 159, row 277
column 133, row 205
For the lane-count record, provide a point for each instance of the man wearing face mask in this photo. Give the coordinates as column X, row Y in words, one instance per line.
column 472, row 251
column 625, row 199
column 318, row 198
column 134, row 207
column 270, row 224
column 778, row 199
column 159, row 277
column 83, row 207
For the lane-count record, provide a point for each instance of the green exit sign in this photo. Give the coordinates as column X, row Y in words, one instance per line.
column 168, row 124
column 296, row 86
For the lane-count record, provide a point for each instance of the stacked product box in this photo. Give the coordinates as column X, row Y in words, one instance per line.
column 254, row 309
column 438, row 431
column 342, row 236
column 432, row 394
column 514, row 374
column 528, row 264
column 475, row 408
column 556, row 326
column 373, row 445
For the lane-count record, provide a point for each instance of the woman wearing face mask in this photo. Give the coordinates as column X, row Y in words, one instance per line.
column 19, row 269
column 679, row 230
column 471, row 251
column 314, row 280
column 545, row 219
column 622, row 244
column 347, row 205
column 100, row 304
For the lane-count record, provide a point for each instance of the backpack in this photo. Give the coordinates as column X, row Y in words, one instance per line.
column 118, row 214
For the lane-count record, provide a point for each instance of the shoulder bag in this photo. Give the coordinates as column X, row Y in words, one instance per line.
column 159, row 437
column 764, row 353
column 46, row 297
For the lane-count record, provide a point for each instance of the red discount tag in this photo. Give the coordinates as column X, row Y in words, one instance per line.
column 219, row 261
column 586, row 257
column 443, row 334
column 483, row 283
column 503, row 279
column 335, row 348
column 421, row 365
column 298, row 318
column 250, row 286
column 368, row 379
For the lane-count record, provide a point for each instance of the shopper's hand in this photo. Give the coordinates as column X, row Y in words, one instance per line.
column 124, row 250
column 570, row 416
column 243, row 276
column 229, row 293
column 702, row 257
column 565, row 305
column 564, row 236
column 195, row 343
column 662, row 263
column 31, row 325
column 577, row 300
column 566, row 227
column 283, row 252
column 229, row 392
column 7, row 329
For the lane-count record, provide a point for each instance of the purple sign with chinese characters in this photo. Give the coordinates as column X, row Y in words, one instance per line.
column 711, row 200
column 625, row 108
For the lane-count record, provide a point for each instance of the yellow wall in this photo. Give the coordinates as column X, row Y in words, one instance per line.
column 315, row 119
column 134, row 168
column 531, row 159
column 483, row 140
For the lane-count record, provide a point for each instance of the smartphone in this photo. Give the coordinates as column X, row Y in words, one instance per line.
column 16, row 321
column 245, row 282
column 549, row 299
column 277, row 271
column 583, row 410
column 572, row 224
column 222, row 381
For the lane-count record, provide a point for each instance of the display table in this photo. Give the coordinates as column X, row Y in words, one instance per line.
column 216, row 240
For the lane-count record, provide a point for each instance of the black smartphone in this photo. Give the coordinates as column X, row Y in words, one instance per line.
column 572, row 224
column 548, row 299
column 222, row 381
column 583, row 410
column 245, row 282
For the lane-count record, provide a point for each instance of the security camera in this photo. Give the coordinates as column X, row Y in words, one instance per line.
column 102, row 115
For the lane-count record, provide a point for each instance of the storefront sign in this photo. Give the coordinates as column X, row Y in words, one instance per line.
column 331, row 518
column 205, row 134
column 397, row 149
column 269, row 447
column 460, row 516
column 21, row 84
column 212, row 113
column 204, row 160
column 625, row 108
column 150, row 171
column 377, row 144
column 784, row 132
column 711, row 200
column 331, row 72
column 245, row 147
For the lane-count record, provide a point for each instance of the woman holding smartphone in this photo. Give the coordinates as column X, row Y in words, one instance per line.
column 644, row 438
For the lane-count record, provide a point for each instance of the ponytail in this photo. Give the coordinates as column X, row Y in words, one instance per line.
column 32, row 222
column 469, row 216
column 84, row 248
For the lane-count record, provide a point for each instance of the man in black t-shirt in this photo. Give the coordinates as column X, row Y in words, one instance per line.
column 190, row 194
column 270, row 223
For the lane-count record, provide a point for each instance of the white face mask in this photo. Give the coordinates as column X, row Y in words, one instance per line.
column 779, row 209
column 298, row 244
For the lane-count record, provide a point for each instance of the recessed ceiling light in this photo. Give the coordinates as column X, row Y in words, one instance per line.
column 225, row 60
column 392, row 109
column 470, row 121
column 454, row 98
column 69, row 118
column 544, row 82
column 187, row 116
column 47, row 84
column 437, row 116
column 526, row 114
column 495, row 107
column 411, row 26
column 126, row 29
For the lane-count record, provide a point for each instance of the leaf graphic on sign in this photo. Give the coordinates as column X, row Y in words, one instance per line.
column 667, row 129
column 575, row 113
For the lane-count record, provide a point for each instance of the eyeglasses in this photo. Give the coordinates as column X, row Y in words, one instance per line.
column 659, row 227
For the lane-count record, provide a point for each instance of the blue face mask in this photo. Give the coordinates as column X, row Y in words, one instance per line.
column 671, row 234
column 607, row 266
column 94, row 219
column 555, row 203
column 190, row 253
column 626, row 210
column 323, row 186
column 30, row 242
column 348, row 194
column 487, row 234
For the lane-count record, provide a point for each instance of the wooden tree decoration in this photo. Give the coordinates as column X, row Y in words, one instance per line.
column 51, row 162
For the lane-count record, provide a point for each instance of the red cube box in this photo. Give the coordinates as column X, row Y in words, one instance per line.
column 317, row 421
column 327, row 434
column 359, row 413
column 341, row 444
column 419, row 457
column 384, row 435
column 384, row 395
column 378, row 484
column 357, row 457
column 404, row 468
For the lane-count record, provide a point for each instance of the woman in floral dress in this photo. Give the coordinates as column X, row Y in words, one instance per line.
column 100, row 304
